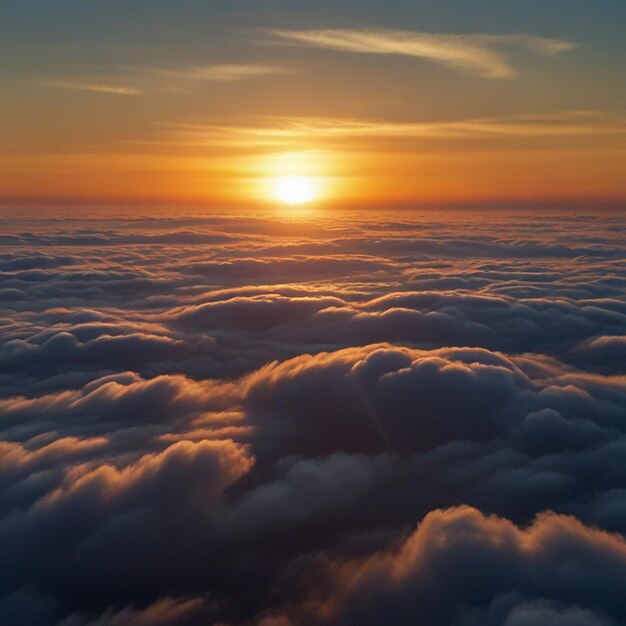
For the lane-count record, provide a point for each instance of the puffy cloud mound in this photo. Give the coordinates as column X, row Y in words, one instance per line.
column 384, row 397
column 460, row 567
column 333, row 420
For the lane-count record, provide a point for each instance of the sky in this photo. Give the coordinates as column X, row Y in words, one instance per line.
column 397, row 103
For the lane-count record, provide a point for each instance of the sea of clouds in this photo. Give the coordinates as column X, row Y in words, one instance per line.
column 333, row 419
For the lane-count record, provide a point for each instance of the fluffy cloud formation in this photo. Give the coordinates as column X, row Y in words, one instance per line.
column 457, row 560
column 331, row 420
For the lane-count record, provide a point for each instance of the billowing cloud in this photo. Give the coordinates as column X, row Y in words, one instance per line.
column 329, row 420
column 477, row 54
column 460, row 567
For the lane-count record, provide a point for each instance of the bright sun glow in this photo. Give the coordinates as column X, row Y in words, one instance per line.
column 295, row 189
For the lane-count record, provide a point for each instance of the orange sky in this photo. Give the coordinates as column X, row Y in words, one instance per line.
column 374, row 115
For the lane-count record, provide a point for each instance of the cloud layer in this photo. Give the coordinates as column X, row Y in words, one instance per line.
column 336, row 419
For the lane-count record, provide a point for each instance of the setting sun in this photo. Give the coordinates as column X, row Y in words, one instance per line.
column 295, row 189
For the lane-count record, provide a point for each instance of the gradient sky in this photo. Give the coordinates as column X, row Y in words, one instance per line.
column 179, row 101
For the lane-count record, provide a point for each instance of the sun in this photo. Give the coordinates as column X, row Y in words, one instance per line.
column 295, row 189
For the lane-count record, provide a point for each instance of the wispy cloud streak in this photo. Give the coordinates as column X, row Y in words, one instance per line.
column 136, row 81
column 475, row 54
column 276, row 130
column 221, row 72
column 116, row 90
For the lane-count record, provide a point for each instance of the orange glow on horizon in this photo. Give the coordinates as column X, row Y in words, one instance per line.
column 342, row 176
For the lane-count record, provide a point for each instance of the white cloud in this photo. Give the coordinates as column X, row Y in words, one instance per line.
column 476, row 54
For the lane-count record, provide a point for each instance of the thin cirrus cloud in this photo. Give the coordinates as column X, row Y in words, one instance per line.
column 475, row 54
column 222, row 72
column 116, row 90
column 279, row 130
column 137, row 81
